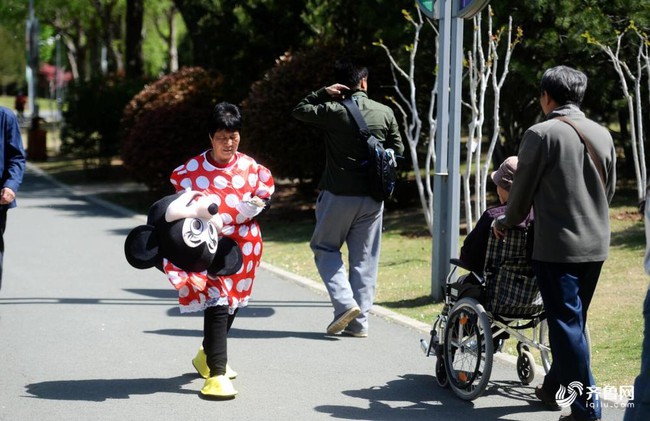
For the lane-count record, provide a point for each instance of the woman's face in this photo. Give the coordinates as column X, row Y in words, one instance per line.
column 224, row 145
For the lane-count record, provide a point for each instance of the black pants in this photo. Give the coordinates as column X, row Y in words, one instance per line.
column 3, row 225
column 216, row 325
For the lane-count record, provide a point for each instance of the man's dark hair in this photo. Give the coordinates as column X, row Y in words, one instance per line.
column 349, row 72
column 564, row 84
column 225, row 116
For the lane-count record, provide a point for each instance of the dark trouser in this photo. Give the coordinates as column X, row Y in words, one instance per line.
column 216, row 325
column 640, row 410
column 3, row 225
column 567, row 289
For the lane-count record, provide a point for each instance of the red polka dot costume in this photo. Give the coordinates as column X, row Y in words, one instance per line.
column 232, row 184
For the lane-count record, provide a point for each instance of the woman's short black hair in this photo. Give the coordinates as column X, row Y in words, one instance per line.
column 225, row 116
column 564, row 84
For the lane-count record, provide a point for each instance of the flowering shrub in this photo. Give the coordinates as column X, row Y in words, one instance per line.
column 288, row 147
column 166, row 124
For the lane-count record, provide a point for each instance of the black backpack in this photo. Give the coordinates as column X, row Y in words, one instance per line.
column 380, row 164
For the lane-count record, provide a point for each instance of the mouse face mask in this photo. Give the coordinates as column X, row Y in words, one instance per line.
column 184, row 229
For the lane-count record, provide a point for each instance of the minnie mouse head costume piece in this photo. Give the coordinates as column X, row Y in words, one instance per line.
column 181, row 238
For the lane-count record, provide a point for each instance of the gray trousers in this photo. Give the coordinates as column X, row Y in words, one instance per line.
column 357, row 222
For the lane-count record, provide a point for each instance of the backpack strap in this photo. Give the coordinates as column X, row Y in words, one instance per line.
column 354, row 111
column 590, row 149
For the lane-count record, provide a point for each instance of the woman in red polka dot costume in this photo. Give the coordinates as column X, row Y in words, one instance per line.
column 242, row 188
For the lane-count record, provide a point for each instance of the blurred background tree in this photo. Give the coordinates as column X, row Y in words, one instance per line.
column 12, row 62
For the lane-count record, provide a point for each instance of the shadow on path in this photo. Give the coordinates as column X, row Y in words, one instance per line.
column 418, row 397
column 99, row 390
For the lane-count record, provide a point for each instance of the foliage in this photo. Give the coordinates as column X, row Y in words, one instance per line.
column 233, row 36
column 356, row 22
column 552, row 36
column 93, row 117
column 166, row 124
column 159, row 16
column 12, row 60
column 269, row 126
column 87, row 26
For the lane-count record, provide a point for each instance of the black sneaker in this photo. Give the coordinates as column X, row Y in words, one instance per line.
column 547, row 399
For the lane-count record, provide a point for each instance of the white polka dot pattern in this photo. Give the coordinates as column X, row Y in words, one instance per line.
column 231, row 185
column 220, row 182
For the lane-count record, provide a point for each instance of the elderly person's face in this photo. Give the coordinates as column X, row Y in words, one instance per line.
column 224, row 145
column 503, row 194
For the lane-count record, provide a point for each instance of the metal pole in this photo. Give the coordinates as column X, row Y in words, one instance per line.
column 439, row 261
column 32, row 59
column 59, row 79
column 453, row 198
column 446, row 181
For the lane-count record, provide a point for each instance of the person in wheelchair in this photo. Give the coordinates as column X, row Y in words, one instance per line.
column 472, row 253
column 474, row 250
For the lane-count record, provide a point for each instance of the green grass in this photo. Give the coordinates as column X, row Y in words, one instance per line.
column 404, row 281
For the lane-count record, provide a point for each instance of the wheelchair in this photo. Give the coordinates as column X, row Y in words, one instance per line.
column 480, row 310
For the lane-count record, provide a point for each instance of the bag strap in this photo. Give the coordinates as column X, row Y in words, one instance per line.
column 590, row 149
column 354, row 111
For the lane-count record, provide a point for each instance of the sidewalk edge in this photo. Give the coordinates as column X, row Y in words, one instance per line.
column 90, row 197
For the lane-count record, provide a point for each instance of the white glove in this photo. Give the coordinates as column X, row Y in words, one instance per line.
column 391, row 157
column 250, row 207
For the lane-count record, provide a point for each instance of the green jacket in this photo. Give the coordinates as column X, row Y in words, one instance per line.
column 344, row 150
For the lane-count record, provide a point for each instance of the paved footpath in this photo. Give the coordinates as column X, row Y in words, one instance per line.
column 84, row 336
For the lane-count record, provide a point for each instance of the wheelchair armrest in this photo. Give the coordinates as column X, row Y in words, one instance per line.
column 459, row 263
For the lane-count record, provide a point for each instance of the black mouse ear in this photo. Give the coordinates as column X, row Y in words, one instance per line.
column 228, row 259
column 141, row 248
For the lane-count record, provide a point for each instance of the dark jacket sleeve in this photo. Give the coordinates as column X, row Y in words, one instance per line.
column 472, row 253
column 14, row 154
column 393, row 138
column 313, row 109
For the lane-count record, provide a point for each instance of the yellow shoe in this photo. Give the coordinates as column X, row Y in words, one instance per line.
column 218, row 387
column 200, row 363
column 230, row 373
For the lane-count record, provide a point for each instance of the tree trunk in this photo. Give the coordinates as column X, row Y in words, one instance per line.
column 134, row 20
column 172, row 44
column 624, row 139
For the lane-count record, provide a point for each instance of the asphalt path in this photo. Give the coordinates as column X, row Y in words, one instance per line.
column 84, row 336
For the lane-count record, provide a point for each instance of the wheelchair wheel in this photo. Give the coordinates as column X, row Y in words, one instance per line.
column 441, row 373
column 468, row 349
column 525, row 365
column 547, row 357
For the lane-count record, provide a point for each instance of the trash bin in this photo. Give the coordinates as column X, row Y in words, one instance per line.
column 37, row 141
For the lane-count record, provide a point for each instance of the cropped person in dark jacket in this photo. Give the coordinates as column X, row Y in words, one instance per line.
column 12, row 167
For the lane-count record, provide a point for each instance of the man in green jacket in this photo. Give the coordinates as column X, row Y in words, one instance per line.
column 345, row 211
column 570, row 191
